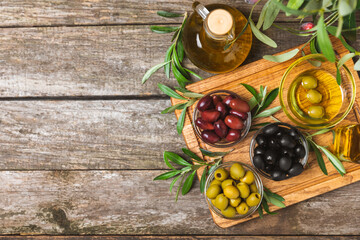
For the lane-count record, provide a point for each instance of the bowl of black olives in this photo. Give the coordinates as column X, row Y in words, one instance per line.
column 279, row 151
column 222, row 119
column 234, row 190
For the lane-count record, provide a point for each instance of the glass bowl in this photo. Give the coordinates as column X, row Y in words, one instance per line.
column 305, row 65
column 253, row 145
column 257, row 181
column 222, row 143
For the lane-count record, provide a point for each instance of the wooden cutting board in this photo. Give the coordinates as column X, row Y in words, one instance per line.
column 312, row 182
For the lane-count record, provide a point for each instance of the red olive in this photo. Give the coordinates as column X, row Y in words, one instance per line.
column 242, row 115
column 205, row 103
column 234, row 122
column 216, row 99
column 201, row 123
column 220, row 128
column 239, row 105
column 227, row 100
column 221, row 107
column 210, row 136
column 210, row 115
column 233, row 135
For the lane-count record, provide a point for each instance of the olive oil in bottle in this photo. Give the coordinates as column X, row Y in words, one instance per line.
column 315, row 97
column 208, row 30
column 347, row 143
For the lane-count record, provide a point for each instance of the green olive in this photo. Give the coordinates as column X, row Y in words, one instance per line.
column 243, row 208
column 231, row 192
column 228, row 182
column 221, row 202
column 248, row 178
column 309, row 82
column 314, row 96
column 215, row 182
column 237, row 171
column 253, row 188
column 221, row 174
column 253, row 199
column 229, row 212
column 213, row 191
column 213, row 201
column 243, row 189
column 316, row 111
column 235, row 202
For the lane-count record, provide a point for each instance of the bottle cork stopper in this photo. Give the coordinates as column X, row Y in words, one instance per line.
column 220, row 21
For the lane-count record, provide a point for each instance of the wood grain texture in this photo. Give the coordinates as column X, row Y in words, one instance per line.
column 109, row 60
column 89, row 12
column 181, row 237
column 309, row 184
column 124, row 134
column 129, row 202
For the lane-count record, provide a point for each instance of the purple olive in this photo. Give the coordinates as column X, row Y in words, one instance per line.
column 205, row 103
column 201, row 123
column 220, row 128
column 233, row 135
column 221, row 107
column 239, row 105
column 216, row 99
column 234, row 122
column 210, row 136
column 227, row 100
column 210, row 115
column 242, row 115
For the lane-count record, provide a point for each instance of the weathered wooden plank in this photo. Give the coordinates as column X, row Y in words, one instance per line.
column 78, row 61
column 89, row 12
column 129, row 202
column 180, row 237
column 122, row 134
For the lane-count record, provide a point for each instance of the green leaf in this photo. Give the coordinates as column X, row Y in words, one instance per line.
column 193, row 95
column 340, row 26
column 313, row 6
column 346, row 7
column 252, row 103
column 167, row 175
column 262, row 15
column 169, row 14
column 324, row 40
column 217, row 162
column 262, row 37
column 214, row 154
column 338, row 76
column 173, row 108
column 270, row 15
column 167, row 59
column 345, row 59
column 322, row 131
column 334, row 161
column 194, row 74
column 274, row 195
column 357, row 65
column 294, row 4
column 188, row 183
column 181, row 121
column 173, row 182
column 350, row 23
column 237, row 37
column 266, row 208
column 319, row 158
column 179, row 77
column 276, row 202
column 251, row 90
column 268, row 112
column 313, row 49
column 180, row 50
column 192, row 155
column 290, row 10
column 203, row 180
column 260, row 211
column 176, row 158
column 283, row 57
column 178, row 65
column 332, row 31
column 163, row 29
column 152, row 70
column 168, row 91
column 178, row 190
column 269, row 98
column 261, row 124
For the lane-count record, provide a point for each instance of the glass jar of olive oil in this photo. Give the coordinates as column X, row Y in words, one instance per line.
column 347, row 143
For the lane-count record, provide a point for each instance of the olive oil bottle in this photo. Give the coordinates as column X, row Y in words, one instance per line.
column 209, row 30
column 315, row 97
column 347, row 143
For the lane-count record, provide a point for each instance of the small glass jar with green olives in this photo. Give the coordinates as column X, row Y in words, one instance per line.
column 234, row 190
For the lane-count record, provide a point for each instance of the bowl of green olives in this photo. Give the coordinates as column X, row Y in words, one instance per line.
column 279, row 151
column 222, row 119
column 234, row 190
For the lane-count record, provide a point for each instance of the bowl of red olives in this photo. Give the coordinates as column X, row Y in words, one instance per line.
column 279, row 151
column 222, row 119
column 234, row 190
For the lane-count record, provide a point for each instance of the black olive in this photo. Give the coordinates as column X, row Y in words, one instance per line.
column 259, row 162
column 261, row 140
column 273, row 143
column 271, row 129
column 279, row 134
column 285, row 163
column 294, row 133
column 296, row 169
column 269, row 168
column 278, row 175
column 259, row 150
column 299, row 150
column 287, row 141
column 287, row 152
column 270, row 156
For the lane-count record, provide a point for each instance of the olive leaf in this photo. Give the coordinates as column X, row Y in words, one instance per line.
column 332, row 31
column 214, row 154
column 168, row 91
column 188, row 183
column 345, row 58
column 192, row 155
column 176, row 158
column 163, row 29
column 334, row 160
column 194, row 74
column 203, row 180
column 181, row 121
column 262, row 15
column 294, row 4
column 169, row 14
column 173, row 182
column 338, row 75
column 346, row 7
column 252, row 90
column 260, row 211
column 269, row 98
column 193, row 95
column 319, row 158
column 282, row 57
column 262, row 37
column 173, row 108
column 324, row 40
column 268, row 112
column 152, row 70
column 266, row 208
column 290, row 10
column 167, row 175
column 357, row 65
column 270, row 15
column 168, row 60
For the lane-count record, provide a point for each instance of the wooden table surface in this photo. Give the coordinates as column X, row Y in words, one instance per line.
column 81, row 139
